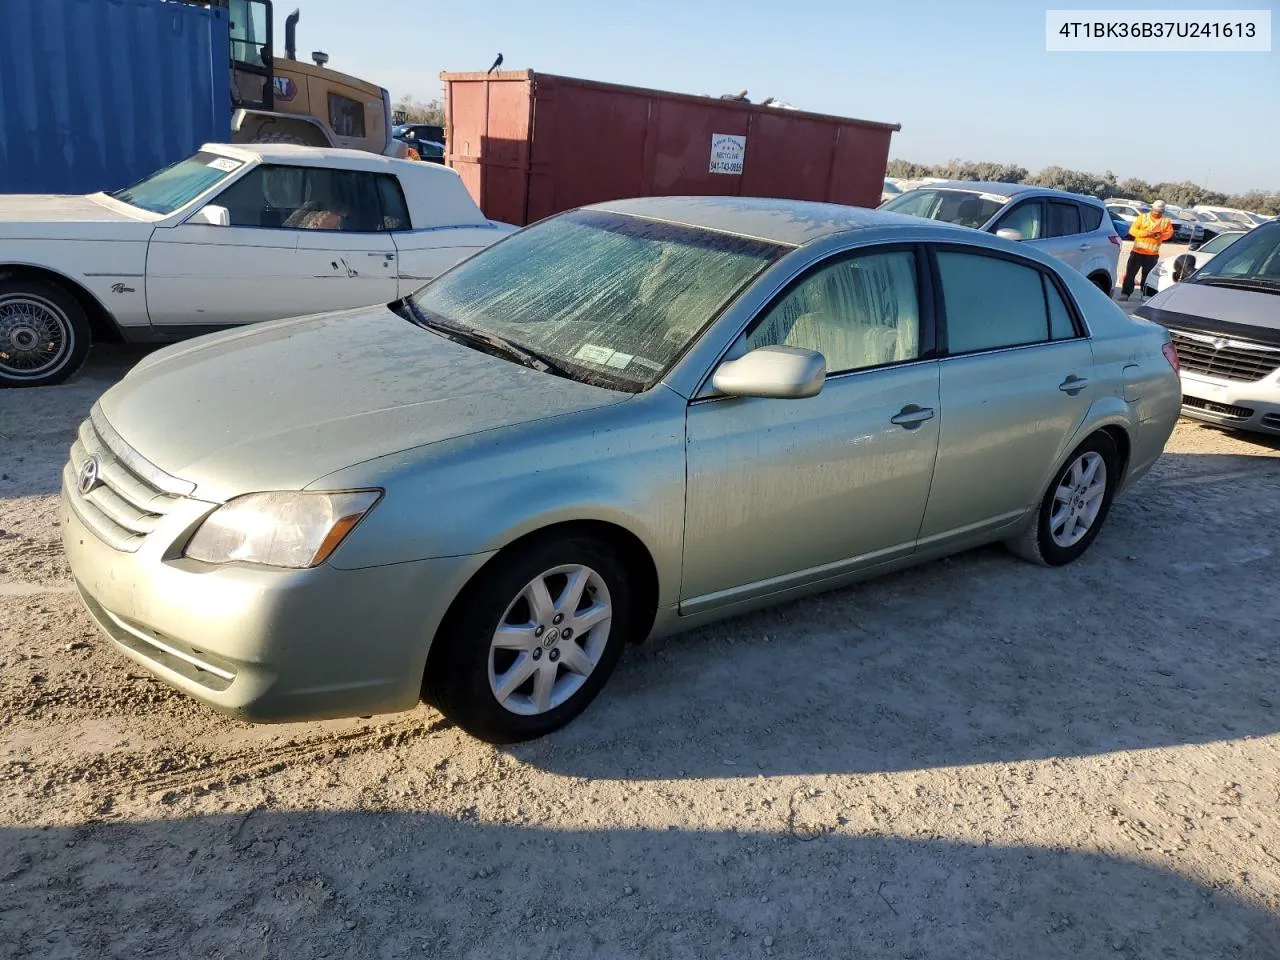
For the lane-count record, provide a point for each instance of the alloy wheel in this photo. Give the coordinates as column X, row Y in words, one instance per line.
column 1078, row 499
column 550, row 639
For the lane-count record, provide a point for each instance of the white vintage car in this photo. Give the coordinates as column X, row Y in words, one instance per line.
column 231, row 235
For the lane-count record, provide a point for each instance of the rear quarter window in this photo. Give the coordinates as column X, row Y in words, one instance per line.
column 1092, row 216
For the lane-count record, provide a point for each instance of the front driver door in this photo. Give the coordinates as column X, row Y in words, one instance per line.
column 787, row 492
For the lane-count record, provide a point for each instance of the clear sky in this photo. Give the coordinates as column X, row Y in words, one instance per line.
column 966, row 80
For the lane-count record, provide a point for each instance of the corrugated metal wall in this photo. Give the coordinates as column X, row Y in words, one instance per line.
column 96, row 94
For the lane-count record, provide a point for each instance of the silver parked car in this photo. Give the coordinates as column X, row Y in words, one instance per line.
column 1225, row 320
column 1074, row 228
column 623, row 421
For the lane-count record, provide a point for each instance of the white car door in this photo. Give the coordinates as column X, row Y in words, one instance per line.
column 345, row 249
column 299, row 240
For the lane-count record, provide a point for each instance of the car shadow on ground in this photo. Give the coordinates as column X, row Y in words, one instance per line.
column 366, row 884
column 1144, row 642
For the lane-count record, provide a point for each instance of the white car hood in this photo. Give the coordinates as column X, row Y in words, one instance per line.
column 38, row 216
column 57, row 208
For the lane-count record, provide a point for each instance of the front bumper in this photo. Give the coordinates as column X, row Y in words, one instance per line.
column 1231, row 403
column 259, row 643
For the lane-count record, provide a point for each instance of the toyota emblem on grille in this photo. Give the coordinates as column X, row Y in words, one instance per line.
column 87, row 478
column 1220, row 342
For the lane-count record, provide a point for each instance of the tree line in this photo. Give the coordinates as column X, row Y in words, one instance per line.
column 1103, row 186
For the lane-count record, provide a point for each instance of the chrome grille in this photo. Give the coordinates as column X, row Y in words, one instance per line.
column 1225, row 357
column 131, row 495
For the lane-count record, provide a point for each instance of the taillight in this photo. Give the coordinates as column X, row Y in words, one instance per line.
column 1114, row 239
column 1171, row 354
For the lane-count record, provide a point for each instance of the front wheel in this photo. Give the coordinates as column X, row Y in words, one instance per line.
column 532, row 640
column 1074, row 507
column 44, row 333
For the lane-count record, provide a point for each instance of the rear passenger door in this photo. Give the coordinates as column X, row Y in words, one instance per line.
column 1015, row 383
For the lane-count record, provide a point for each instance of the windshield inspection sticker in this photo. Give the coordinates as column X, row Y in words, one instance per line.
column 593, row 354
column 225, row 164
column 619, row 361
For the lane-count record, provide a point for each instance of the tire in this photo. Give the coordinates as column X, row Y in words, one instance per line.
column 44, row 333
column 281, row 138
column 1037, row 542
column 1103, row 283
column 466, row 672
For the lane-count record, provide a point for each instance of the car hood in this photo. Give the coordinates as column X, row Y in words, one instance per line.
column 40, row 216
column 1248, row 314
column 281, row 404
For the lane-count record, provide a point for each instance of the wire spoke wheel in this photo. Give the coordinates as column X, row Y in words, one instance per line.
column 550, row 639
column 35, row 336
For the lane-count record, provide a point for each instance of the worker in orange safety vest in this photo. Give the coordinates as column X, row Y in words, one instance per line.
column 1148, row 232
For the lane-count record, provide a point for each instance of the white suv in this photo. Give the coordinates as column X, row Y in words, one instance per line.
column 1074, row 228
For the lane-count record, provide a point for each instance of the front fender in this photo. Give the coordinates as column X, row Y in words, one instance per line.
column 622, row 464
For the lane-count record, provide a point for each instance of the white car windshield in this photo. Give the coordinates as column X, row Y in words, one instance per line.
column 961, row 207
column 1219, row 243
column 610, row 299
column 1254, row 259
column 177, row 185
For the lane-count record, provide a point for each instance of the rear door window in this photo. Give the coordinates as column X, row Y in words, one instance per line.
column 1064, row 218
column 991, row 302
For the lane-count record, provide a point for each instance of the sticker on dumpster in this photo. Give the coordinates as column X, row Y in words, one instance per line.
column 727, row 152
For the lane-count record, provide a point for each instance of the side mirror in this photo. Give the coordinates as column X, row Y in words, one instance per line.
column 783, row 373
column 213, row 215
column 1009, row 234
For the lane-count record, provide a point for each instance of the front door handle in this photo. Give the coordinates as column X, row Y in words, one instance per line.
column 911, row 416
column 385, row 256
column 1073, row 384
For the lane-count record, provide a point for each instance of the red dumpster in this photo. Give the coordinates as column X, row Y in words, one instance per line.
column 529, row 145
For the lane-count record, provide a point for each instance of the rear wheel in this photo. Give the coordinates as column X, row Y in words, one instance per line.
column 1074, row 507
column 44, row 333
column 532, row 640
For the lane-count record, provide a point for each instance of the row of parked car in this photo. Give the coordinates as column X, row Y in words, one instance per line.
column 516, row 451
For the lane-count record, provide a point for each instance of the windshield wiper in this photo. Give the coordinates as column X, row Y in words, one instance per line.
column 460, row 333
column 1262, row 284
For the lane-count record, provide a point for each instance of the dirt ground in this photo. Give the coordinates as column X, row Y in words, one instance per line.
column 974, row 759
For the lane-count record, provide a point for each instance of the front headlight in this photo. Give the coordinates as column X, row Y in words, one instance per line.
column 286, row 529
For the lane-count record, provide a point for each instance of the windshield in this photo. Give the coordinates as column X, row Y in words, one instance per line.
column 177, row 185
column 1254, row 256
column 1219, row 243
column 950, row 206
column 611, row 298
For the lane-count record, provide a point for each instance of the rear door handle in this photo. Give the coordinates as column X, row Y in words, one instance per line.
column 1073, row 384
column 911, row 416
column 1086, row 246
column 385, row 256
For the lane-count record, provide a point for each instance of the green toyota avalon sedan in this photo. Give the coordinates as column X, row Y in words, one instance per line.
column 619, row 422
